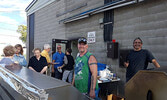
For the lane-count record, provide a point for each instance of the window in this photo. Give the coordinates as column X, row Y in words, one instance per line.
column 108, row 23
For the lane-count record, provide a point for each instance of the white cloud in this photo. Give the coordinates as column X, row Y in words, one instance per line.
column 8, row 20
column 14, row 5
column 12, row 40
column 23, row 15
column 8, row 24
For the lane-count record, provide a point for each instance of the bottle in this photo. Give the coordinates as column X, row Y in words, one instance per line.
column 107, row 66
column 114, row 76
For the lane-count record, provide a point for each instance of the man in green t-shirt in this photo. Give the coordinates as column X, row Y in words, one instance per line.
column 85, row 70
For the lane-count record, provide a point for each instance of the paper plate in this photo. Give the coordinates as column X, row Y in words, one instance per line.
column 60, row 70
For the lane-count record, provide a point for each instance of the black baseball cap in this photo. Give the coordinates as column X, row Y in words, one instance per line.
column 82, row 40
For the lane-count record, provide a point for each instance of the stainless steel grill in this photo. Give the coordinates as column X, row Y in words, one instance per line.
column 20, row 83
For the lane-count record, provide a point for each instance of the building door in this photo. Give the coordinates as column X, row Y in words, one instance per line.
column 64, row 44
column 74, row 48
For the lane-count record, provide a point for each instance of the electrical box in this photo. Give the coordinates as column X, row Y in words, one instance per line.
column 112, row 50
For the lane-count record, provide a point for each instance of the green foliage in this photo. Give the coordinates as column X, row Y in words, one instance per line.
column 22, row 29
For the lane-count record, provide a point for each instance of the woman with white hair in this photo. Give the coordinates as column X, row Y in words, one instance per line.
column 38, row 63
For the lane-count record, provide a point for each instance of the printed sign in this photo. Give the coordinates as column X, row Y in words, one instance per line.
column 91, row 34
column 91, row 38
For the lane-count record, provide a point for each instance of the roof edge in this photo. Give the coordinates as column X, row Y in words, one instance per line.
column 30, row 5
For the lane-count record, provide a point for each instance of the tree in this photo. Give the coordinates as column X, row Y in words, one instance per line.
column 22, row 29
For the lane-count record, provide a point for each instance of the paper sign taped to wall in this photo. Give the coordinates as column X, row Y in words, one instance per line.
column 91, row 40
column 92, row 34
column 91, row 37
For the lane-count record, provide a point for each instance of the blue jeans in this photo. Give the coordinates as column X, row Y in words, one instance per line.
column 58, row 75
column 67, row 74
column 96, row 93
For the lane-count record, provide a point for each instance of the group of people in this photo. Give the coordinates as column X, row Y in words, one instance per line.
column 62, row 64
column 84, row 75
column 13, row 55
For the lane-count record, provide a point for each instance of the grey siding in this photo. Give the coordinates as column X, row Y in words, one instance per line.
column 82, row 27
column 47, row 24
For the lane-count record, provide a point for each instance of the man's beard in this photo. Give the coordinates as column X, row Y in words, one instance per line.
column 136, row 47
column 81, row 51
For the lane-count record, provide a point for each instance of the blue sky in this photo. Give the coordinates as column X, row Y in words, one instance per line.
column 12, row 14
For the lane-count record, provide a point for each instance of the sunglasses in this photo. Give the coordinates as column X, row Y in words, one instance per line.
column 82, row 40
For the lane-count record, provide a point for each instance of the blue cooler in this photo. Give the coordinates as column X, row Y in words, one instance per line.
column 100, row 67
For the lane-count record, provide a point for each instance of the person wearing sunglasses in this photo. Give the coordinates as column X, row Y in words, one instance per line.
column 85, row 70
column 138, row 59
column 58, row 58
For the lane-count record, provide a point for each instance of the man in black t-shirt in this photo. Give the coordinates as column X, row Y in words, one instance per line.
column 38, row 63
column 138, row 59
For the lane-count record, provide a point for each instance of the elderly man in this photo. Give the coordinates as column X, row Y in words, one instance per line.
column 85, row 70
column 45, row 52
column 138, row 59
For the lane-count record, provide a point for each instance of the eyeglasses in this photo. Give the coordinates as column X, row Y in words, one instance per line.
column 137, row 42
column 36, row 52
column 138, row 38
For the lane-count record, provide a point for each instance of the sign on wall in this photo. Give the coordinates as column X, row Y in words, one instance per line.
column 91, row 37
